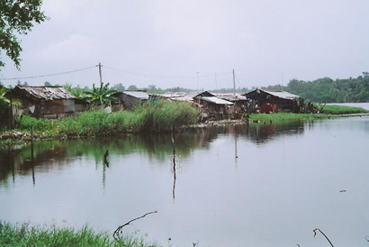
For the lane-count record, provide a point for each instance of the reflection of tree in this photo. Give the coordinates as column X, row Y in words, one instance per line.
column 156, row 146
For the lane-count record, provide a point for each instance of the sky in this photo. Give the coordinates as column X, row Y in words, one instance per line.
column 195, row 43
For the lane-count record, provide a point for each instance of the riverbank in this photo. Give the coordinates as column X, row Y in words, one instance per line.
column 27, row 235
column 160, row 117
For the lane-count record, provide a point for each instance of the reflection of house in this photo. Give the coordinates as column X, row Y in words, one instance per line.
column 130, row 99
column 45, row 102
column 284, row 100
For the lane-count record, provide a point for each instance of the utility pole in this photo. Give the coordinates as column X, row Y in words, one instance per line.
column 100, row 73
column 216, row 83
column 234, row 92
column 234, row 84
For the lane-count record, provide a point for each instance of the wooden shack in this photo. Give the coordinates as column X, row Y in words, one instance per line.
column 44, row 102
column 239, row 101
column 284, row 100
column 129, row 99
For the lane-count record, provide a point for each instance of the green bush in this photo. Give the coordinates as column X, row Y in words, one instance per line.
column 26, row 122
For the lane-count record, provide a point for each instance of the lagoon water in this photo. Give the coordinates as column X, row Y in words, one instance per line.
column 266, row 185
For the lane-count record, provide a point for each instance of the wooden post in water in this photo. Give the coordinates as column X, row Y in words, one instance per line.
column 174, row 165
column 32, row 159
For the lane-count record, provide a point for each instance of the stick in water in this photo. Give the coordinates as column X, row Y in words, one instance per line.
column 317, row 229
column 119, row 230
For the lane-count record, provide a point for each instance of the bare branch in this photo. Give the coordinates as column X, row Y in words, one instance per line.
column 119, row 230
column 317, row 229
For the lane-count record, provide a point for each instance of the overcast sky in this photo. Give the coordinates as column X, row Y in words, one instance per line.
column 166, row 42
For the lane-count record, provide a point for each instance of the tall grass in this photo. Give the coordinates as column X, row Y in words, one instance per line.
column 286, row 116
column 26, row 235
column 149, row 117
column 338, row 109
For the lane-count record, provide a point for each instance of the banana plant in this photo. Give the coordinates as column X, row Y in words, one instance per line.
column 101, row 95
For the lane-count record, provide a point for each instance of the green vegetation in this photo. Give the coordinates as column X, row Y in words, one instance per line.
column 281, row 116
column 26, row 235
column 101, row 95
column 17, row 17
column 336, row 109
column 158, row 116
column 327, row 90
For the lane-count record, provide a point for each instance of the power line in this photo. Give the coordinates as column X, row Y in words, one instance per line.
column 165, row 76
column 47, row 75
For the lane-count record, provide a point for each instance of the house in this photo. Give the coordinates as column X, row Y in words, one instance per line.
column 129, row 99
column 216, row 107
column 44, row 102
column 209, row 104
column 237, row 99
column 276, row 99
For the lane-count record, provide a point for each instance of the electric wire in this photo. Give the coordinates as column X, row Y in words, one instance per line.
column 47, row 75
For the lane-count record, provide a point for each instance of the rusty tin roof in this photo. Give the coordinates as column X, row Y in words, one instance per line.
column 40, row 92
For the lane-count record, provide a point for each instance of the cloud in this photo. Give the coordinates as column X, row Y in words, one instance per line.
column 75, row 47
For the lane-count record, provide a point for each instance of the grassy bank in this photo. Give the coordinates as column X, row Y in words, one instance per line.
column 338, row 109
column 281, row 116
column 149, row 117
column 26, row 235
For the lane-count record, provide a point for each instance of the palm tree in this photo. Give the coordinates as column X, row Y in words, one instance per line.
column 101, row 95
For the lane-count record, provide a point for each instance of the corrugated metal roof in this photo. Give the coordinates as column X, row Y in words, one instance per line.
column 281, row 94
column 140, row 95
column 217, row 100
column 230, row 96
column 46, row 93
column 184, row 96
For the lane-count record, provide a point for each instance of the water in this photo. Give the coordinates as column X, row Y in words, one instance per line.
column 268, row 185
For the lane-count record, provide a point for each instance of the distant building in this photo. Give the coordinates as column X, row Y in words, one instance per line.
column 44, row 102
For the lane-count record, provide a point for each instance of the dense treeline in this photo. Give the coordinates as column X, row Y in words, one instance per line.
column 327, row 90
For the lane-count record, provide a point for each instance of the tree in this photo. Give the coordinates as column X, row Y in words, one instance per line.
column 77, row 92
column 132, row 88
column 47, row 84
column 17, row 16
column 101, row 95
column 118, row 87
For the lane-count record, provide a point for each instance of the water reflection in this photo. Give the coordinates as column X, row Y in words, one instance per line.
column 299, row 188
column 46, row 155
column 174, row 166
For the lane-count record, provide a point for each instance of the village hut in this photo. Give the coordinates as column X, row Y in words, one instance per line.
column 272, row 100
column 239, row 101
column 50, row 102
column 210, row 105
column 129, row 99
